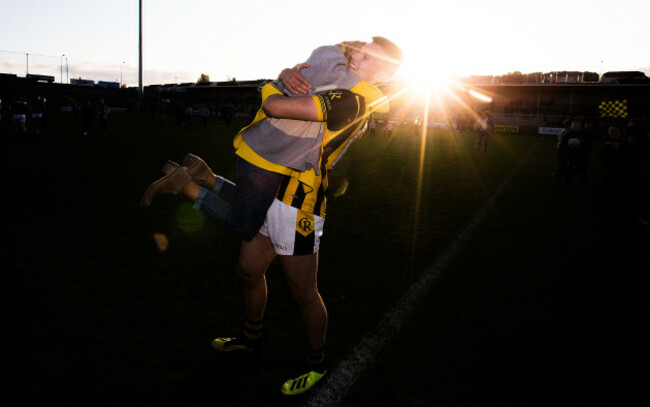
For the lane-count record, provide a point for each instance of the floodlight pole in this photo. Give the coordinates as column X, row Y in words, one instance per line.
column 140, row 60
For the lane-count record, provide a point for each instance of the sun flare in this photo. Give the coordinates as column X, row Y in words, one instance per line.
column 425, row 77
column 425, row 68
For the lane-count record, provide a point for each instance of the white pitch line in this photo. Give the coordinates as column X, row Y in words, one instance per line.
column 348, row 371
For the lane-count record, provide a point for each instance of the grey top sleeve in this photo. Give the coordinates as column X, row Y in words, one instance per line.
column 328, row 70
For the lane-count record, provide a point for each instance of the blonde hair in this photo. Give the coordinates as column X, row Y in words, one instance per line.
column 351, row 47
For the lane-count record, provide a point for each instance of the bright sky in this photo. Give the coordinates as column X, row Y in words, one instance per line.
column 255, row 39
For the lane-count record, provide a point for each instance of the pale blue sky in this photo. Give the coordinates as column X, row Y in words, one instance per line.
column 254, row 39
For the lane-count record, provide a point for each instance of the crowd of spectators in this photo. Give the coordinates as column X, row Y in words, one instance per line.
column 622, row 152
column 20, row 116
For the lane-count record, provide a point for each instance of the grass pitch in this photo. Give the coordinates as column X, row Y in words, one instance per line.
column 542, row 304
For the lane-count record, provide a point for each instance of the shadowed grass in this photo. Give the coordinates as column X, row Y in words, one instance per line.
column 542, row 303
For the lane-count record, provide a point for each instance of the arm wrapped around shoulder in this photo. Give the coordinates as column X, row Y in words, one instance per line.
column 340, row 107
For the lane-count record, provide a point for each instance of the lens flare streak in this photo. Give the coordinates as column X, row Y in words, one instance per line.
column 454, row 90
column 480, row 96
column 418, row 197
column 161, row 240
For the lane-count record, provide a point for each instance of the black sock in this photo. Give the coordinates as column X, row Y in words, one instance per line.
column 252, row 330
column 316, row 360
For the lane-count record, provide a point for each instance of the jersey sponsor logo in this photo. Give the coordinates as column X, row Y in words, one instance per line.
column 280, row 246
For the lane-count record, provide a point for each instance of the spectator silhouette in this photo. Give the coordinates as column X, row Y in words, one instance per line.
column 205, row 114
column 484, row 126
column 568, row 150
column 19, row 110
column 632, row 156
column 587, row 137
column 38, row 115
column 389, row 128
column 86, row 117
column 188, row 116
column 101, row 112
column 179, row 112
column 228, row 113
column 611, row 186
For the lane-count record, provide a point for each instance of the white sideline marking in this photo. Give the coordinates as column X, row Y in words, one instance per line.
column 343, row 377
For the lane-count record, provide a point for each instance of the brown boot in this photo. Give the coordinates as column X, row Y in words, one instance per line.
column 170, row 166
column 172, row 183
column 197, row 168
column 194, row 165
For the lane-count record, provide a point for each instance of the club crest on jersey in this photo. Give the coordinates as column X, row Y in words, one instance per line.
column 336, row 94
column 304, row 223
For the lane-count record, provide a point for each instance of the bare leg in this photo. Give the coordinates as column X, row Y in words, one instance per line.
column 301, row 275
column 254, row 258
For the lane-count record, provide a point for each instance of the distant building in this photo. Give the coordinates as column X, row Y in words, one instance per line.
column 82, row 82
column 563, row 77
column 40, row 78
column 107, row 84
column 624, row 77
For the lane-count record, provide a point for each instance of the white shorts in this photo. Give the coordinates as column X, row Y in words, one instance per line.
column 292, row 231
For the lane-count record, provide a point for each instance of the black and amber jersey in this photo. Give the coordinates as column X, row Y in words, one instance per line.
column 339, row 108
column 346, row 113
column 306, row 190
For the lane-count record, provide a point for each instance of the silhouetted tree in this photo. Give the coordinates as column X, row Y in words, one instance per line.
column 515, row 77
column 203, row 80
column 533, row 77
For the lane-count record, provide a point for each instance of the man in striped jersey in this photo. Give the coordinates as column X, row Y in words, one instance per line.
column 293, row 224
